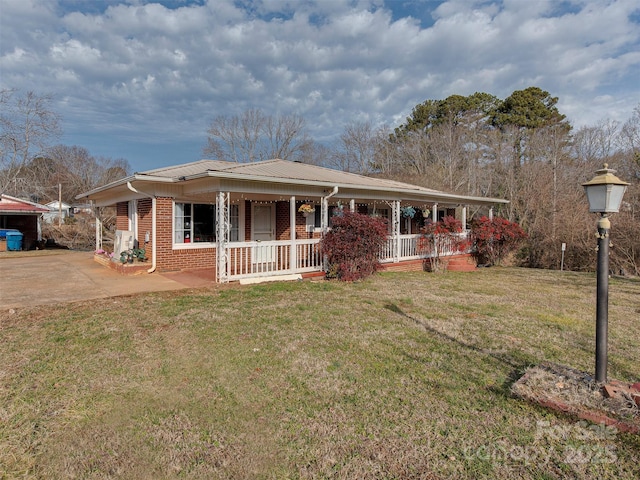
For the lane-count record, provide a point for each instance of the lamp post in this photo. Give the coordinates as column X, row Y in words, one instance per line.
column 604, row 192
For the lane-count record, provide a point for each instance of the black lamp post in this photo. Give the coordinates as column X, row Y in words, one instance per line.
column 604, row 192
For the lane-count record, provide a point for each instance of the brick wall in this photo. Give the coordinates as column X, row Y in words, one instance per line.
column 407, row 266
column 122, row 219
column 145, row 224
column 283, row 222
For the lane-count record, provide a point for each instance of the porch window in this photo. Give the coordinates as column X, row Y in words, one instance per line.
column 317, row 216
column 196, row 223
column 234, row 218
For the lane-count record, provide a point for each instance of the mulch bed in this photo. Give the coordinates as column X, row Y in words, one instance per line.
column 577, row 394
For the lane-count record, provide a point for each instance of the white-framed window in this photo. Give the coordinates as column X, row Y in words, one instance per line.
column 234, row 218
column 314, row 221
column 196, row 223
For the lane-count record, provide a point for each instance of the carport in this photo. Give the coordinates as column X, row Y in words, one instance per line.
column 24, row 216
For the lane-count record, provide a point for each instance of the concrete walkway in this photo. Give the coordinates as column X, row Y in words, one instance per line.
column 57, row 276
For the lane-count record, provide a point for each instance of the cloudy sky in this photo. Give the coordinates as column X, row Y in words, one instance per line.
column 142, row 80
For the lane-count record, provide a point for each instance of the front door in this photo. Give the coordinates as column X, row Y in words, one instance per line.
column 263, row 230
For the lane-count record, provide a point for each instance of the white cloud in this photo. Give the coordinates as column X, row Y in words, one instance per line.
column 161, row 73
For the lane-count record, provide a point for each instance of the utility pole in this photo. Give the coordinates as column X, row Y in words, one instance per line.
column 59, row 205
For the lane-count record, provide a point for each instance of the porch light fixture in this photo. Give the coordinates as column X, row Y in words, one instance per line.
column 604, row 192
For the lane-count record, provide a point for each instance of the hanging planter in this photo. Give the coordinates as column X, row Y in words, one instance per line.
column 408, row 212
column 306, row 209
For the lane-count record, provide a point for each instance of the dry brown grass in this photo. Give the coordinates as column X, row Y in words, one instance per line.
column 576, row 392
column 401, row 376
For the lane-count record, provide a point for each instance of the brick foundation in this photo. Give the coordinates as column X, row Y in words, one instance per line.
column 135, row 268
column 408, row 266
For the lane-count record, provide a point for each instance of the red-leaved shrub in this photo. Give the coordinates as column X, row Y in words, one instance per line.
column 495, row 239
column 353, row 245
column 442, row 238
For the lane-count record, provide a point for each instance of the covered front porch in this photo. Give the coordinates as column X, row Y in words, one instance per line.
column 259, row 236
column 282, row 257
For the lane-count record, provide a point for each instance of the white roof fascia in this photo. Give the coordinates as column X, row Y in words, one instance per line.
column 417, row 194
column 124, row 181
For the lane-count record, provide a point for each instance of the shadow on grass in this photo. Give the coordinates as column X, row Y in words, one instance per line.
column 517, row 363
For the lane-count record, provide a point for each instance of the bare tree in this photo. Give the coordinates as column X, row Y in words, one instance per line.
column 254, row 136
column 27, row 126
column 385, row 151
column 630, row 135
column 595, row 142
column 78, row 171
column 286, row 137
column 356, row 149
column 314, row 153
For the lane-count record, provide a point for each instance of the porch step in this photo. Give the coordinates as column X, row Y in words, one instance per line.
column 464, row 263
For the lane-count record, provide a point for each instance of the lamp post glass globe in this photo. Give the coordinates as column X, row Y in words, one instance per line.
column 604, row 192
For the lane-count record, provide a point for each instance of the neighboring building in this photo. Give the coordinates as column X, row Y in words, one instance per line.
column 245, row 220
column 24, row 216
column 55, row 212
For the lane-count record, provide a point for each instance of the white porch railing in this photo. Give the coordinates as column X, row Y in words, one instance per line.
column 263, row 258
column 410, row 247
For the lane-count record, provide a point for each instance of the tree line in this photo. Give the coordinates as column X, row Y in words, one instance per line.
column 521, row 148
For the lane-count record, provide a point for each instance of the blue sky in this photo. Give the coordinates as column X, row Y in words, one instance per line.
column 142, row 80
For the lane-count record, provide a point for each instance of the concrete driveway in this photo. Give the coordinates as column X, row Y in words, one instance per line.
column 57, row 276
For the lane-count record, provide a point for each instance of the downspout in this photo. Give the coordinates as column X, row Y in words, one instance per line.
column 325, row 207
column 325, row 221
column 153, row 225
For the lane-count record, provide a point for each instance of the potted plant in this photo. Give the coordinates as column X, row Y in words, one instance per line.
column 129, row 255
column 306, row 209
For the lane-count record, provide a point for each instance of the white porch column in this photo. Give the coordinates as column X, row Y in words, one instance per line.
column 434, row 213
column 464, row 218
column 352, row 205
column 293, row 255
column 491, row 213
column 39, row 228
column 395, row 211
column 222, row 236
column 324, row 215
column 98, row 230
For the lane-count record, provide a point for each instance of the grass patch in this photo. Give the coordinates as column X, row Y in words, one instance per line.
column 400, row 376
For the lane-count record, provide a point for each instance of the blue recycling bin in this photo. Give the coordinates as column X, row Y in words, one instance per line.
column 4, row 231
column 14, row 241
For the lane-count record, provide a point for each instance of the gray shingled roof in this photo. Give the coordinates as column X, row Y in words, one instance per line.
column 283, row 172
column 280, row 169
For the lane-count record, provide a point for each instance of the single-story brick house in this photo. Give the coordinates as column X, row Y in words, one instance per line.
column 246, row 220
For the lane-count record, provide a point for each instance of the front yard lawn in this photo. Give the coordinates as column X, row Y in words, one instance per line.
column 404, row 375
